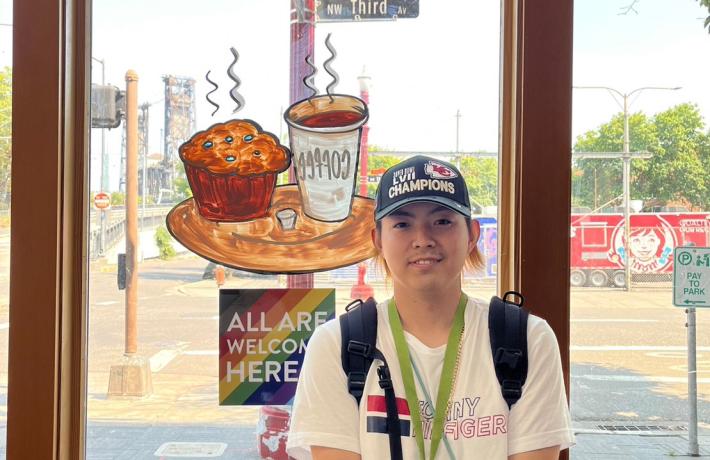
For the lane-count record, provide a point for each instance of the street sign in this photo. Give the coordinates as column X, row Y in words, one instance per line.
column 691, row 277
column 365, row 10
column 102, row 200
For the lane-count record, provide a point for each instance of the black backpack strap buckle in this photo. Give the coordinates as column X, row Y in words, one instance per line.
column 353, row 304
column 360, row 348
column 383, row 372
column 508, row 357
column 356, row 383
column 511, row 389
column 514, row 294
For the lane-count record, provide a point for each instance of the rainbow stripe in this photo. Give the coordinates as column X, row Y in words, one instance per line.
column 263, row 338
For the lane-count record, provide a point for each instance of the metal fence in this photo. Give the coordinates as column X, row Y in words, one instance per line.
column 115, row 226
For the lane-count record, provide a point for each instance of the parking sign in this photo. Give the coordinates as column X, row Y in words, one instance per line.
column 691, row 277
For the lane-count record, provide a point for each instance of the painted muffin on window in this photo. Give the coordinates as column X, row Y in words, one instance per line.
column 231, row 168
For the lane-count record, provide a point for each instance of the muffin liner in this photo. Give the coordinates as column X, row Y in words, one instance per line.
column 229, row 197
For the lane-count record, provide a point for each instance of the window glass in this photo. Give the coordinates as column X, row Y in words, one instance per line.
column 5, row 194
column 639, row 191
column 157, row 391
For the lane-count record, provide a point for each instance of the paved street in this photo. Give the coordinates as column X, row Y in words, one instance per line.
column 629, row 392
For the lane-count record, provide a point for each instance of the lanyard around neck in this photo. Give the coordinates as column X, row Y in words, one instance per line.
column 445, row 382
column 418, row 375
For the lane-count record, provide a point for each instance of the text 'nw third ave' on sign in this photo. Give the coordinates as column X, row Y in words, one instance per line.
column 365, row 10
column 691, row 277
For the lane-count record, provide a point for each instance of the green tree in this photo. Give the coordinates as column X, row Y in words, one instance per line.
column 706, row 3
column 677, row 171
column 599, row 181
column 118, row 199
column 181, row 187
column 5, row 134
column 378, row 162
column 481, row 176
column 164, row 241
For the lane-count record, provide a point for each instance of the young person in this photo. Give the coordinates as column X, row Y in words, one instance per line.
column 425, row 236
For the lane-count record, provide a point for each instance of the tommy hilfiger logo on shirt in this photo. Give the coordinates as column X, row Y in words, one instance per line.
column 461, row 421
column 377, row 415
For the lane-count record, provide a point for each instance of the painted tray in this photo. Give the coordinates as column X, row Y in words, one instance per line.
column 263, row 246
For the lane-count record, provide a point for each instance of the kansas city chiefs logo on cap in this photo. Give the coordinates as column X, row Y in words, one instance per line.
column 439, row 171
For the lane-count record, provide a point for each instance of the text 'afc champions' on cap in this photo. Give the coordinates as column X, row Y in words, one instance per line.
column 422, row 178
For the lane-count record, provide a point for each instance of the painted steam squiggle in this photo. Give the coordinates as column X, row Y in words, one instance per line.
column 214, row 88
column 308, row 79
column 233, row 93
column 329, row 69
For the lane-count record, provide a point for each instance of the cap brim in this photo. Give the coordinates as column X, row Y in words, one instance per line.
column 449, row 203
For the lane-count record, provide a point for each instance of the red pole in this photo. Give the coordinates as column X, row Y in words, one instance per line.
column 365, row 96
column 362, row 290
column 302, row 37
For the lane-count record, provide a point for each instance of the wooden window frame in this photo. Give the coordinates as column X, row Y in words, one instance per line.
column 48, row 265
column 48, row 280
column 535, row 172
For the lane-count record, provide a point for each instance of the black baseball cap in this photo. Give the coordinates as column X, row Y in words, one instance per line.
column 422, row 178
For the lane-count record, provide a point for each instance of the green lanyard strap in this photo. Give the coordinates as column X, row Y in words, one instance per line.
column 445, row 382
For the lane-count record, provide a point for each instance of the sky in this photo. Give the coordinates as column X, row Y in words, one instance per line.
column 422, row 70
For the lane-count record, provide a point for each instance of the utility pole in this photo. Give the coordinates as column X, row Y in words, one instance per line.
column 458, row 158
column 131, row 210
column 132, row 376
column 626, row 156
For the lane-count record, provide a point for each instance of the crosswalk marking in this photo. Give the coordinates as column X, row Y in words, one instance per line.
column 636, row 378
column 633, row 348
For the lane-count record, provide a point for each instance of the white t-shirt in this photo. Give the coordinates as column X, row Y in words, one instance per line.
column 478, row 425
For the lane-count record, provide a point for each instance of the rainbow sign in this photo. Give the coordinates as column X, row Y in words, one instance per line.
column 262, row 340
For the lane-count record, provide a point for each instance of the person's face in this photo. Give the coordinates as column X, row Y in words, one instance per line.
column 645, row 246
column 425, row 245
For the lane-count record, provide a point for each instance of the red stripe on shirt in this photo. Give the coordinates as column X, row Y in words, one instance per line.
column 378, row 404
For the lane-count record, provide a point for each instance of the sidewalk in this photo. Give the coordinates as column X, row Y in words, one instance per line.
column 597, row 444
column 238, row 442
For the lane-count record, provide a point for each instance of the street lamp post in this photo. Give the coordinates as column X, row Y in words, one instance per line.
column 458, row 157
column 626, row 171
column 104, row 166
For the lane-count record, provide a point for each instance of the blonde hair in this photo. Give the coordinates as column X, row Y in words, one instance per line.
column 475, row 262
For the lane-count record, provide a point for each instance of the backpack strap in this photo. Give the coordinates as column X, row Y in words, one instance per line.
column 508, row 329
column 358, row 331
column 393, row 425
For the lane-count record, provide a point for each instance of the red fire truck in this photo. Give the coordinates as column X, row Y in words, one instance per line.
column 597, row 253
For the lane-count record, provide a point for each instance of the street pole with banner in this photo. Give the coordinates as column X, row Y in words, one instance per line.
column 302, row 39
column 691, row 290
column 362, row 290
